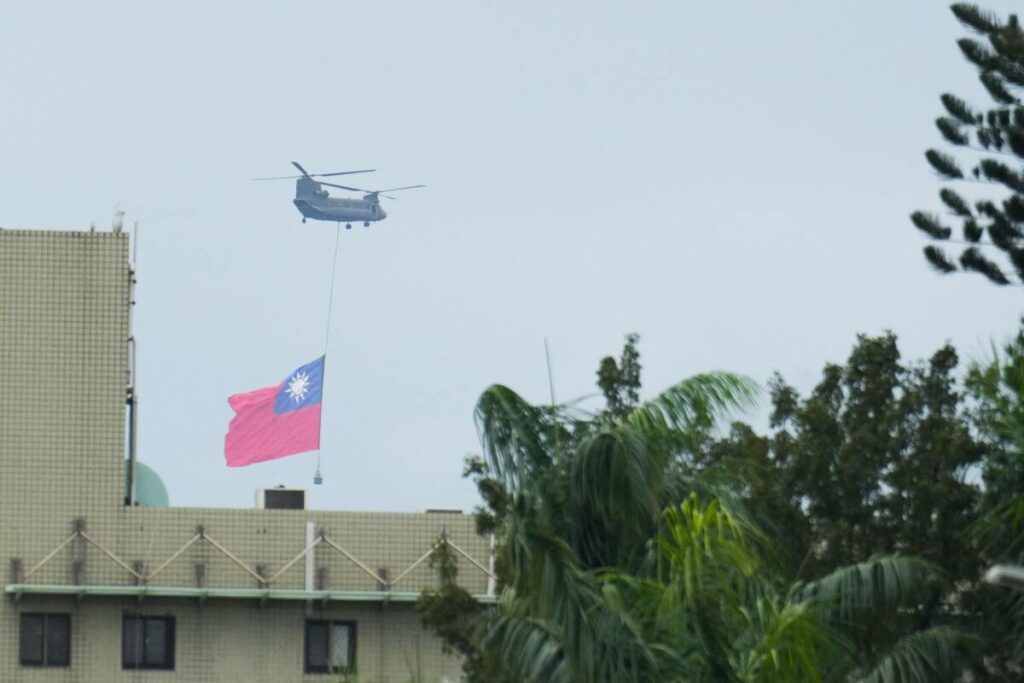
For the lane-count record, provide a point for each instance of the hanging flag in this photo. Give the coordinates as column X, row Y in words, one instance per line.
column 276, row 421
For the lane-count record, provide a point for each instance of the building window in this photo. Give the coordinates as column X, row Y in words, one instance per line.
column 147, row 642
column 45, row 640
column 330, row 646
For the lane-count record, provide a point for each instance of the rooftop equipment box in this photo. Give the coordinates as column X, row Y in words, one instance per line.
column 281, row 499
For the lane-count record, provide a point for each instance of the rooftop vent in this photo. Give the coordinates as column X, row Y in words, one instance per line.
column 281, row 498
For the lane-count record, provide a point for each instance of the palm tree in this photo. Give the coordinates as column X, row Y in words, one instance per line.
column 622, row 562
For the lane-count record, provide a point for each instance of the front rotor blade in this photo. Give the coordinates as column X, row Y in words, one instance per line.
column 299, row 166
column 396, row 189
column 343, row 187
column 315, row 175
column 324, row 175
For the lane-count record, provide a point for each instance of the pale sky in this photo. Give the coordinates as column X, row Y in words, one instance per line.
column 731, row 180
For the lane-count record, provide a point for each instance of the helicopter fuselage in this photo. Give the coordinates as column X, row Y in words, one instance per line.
column 314, row 202
column 339, row 210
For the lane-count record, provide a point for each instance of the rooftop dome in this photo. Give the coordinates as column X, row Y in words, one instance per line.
column 150, row 491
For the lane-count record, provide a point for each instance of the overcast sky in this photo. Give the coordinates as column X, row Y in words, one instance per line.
column 731, row 180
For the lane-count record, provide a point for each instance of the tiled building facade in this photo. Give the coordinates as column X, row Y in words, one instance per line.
column 97, row 590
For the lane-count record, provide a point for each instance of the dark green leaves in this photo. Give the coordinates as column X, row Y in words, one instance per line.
column 937, row 258
column 1000, row 172
column 924, row 657
column 959, row 109
column 878, row 584
column 976, row 18
column 955, row 202
column 972, row 259
column 943, row 164
column 950, row 130
column 996, row 87
column 977, row 53
column 998, row 52
column 930, row 225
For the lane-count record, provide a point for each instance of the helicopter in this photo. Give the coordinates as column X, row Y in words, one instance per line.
column 314, row 202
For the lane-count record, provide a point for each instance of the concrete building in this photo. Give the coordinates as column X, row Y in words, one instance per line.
column 102, row 587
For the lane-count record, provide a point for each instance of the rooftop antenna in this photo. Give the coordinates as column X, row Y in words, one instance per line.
column 551, row 377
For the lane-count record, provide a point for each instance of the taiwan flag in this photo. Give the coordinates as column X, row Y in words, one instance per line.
column 276, row 421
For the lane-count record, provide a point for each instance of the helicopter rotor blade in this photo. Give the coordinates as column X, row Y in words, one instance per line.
column 316, row 175
column 324, row 175
column 344, row 187
column 396, row 189
column 375, row 193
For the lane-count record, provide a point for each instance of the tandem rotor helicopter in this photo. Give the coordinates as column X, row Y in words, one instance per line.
column 314, row 202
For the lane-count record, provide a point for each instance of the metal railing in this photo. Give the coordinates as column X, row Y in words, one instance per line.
column 263, row 580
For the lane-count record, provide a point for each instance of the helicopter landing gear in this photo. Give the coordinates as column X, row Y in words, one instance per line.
column 366, row 224
column 348, row 226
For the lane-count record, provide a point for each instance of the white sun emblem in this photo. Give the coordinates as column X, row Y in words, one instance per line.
column 298, row 386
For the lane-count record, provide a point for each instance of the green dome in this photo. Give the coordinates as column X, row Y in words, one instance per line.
column 150, row 491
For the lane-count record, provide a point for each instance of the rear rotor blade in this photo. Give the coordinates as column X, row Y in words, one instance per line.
column 396, row 189
column 299, row 166
column 344, row 187
column 324, row 175
column 315, row 175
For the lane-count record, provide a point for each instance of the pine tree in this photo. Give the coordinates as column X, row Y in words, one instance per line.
column 991, row 143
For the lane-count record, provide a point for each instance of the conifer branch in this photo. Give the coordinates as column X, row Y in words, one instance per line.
column 1010, row 70
column 955, row 202
column 959, row 109
column 1017, row 259
column 950, row 129
column 943, row 164
column 972, row 231
column 976, row 18
column 1013, row 208
column 930, row 225
column 972, row 259
column 937, row 258
column 996, row 87
column 1001, row 173
column 977, row 54
column 1002, row 234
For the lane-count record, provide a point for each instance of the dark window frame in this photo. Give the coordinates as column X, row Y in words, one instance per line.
column 138, row 659
column 352, row 635
column 47, row 618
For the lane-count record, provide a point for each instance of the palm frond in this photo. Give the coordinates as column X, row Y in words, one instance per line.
column 598, row 641
column 614, row 496
column 703, row 546
column 782, row 641
column 515, row 435
column 529, row 648
column 696, row 401
column 928, row 656
column 884, row 582
column 999, row 529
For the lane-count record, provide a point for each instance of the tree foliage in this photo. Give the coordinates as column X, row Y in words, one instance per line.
column 628, row 551
column 883, row 457
column 989, row 144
